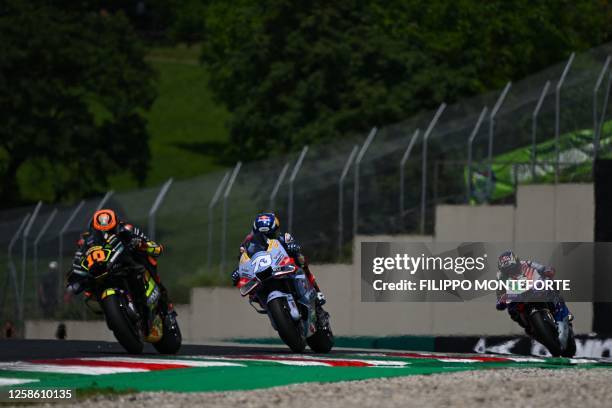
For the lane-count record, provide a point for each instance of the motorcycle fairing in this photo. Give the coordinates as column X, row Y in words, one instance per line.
column 293, row 309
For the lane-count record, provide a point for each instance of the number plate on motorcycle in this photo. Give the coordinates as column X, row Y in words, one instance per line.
column 249, row 287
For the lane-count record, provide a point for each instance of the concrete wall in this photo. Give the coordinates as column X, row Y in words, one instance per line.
column 542, row 213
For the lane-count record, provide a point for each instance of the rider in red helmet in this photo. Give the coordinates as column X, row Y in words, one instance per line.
column 143, row 251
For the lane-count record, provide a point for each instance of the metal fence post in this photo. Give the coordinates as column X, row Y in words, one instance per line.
column 24, row 259
column 598, row 83
column 424, row 164
column 12, row 275
column 604, row 109
column 294, row 173
column 105, row 199
column 226, row 194
column 534, row 125
column 557, row 112
column 279, row 181
column 345, row 170
column 41, row 233
column 158, row 200
column 211, row 206
column 402, row 166
column 473, row 135
column 496, row 107
column 362, row 151
column 60, row 260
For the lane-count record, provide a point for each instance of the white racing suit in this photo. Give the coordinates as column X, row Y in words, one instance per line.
column 532, row 271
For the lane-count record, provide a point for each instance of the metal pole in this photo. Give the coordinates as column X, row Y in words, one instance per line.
column 24, row 250
column 11, row 264
column 158, row 200
column 424, row 164
column 60, row 260
column 494, row 111
column 557, row 112
column 596, row 135
column 405, row 157
column 228, row 190
column 41, row 233
column 279, row 181
column 211, row 206
column 345, row 170
column 104, row 199
column 534, row 125
column 294, row 173
column 473, row 135
column 362, row 151
column 604, row 110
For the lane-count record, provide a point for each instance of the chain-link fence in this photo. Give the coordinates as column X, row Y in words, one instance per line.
column 545, row 128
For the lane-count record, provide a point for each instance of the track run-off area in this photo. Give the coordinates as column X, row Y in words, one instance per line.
column 84, row 365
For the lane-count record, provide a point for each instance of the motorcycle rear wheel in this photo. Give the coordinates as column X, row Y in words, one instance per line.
column 321, row 342
column 570, row 348
column 171, row 340
column 288, row 330
column 545, row 332
column 122, row 327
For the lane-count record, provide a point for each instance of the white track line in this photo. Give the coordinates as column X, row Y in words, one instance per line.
column 178, row 361
column 15, row 381
column 66, row 369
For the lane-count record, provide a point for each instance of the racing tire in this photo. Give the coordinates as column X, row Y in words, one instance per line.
column 570, row 348
column 545, row 331
column 321, row 342
column 172, row 339
column 123, row 328
column 288, row 330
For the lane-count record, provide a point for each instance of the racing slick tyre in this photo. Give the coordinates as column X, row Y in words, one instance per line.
column 321, row 342
column 288, row 330
column 171, row 340
column 126, row 333
column 570, row 349
column 545, row 331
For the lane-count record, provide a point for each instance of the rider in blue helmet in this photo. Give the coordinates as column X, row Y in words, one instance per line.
column 511, row 267
column 267, row 226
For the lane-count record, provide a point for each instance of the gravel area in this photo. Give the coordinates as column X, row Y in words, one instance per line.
column 537, row 388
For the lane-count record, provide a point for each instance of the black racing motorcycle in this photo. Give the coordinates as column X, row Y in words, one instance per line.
column 533, row 310
column 128, row 296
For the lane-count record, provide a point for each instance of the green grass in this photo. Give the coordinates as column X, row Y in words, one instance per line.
column 186, row 126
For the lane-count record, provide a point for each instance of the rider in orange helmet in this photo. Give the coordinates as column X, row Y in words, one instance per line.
column 143, row 250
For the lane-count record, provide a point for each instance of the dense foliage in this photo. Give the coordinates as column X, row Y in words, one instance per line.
column 295, row 72
column 73, row 88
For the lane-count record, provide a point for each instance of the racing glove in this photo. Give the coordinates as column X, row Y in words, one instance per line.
column 501, row 303
column 321, row 298
column 294, row 249
column 235, row 277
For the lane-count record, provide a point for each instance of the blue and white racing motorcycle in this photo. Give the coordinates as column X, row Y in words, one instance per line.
column 535, row 311
column 278, row 287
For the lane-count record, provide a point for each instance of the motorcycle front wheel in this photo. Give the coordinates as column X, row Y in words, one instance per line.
column 288, row 330
column 122, row 327
column 545, row 331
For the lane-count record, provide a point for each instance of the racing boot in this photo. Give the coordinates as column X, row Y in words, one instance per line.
column 322, row 315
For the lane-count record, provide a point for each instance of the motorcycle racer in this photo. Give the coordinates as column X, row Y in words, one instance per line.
column 142, row 250
column 266, row 226
column 511, row 267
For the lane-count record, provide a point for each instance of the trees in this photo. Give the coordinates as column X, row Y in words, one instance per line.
column 73, row 88
column 299, row 72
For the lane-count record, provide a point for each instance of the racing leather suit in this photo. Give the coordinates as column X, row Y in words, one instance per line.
column 533, row 271
column 253, row 241
column 143, row 252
